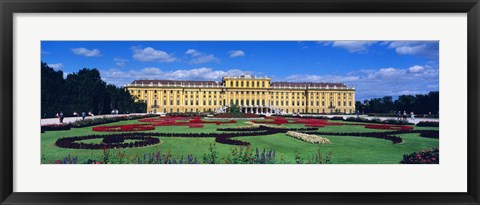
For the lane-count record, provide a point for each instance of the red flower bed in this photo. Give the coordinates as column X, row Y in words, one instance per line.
column 315, row 125
column 196, row 120
column 236, row 115
column 195, row 126
column 123, row 128
column 390, row 127
column 151, row 120
column 171, row 123
column 334, row 123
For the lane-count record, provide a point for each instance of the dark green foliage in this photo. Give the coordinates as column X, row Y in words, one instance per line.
column 84, row 91
column 419, row 104
column 431, row 156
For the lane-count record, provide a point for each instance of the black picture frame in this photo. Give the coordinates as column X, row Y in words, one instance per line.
column 10, row 7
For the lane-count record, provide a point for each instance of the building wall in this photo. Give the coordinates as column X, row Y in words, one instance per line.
column 255, row 92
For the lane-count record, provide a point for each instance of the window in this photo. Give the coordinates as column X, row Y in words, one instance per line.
column 248, row 84
column 236, row 83
column 350, row 104
column 171, row 102
column 323, row 103
column 338, row 103
column 231, row 83
column 164, row 102
column 145, row 91
column 241, row 84
column 178, row 102
column 263, row 84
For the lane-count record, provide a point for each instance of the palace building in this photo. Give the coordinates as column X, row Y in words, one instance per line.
column 252, row 94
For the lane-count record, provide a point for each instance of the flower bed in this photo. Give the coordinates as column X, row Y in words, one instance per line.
column 422, row 157
column 195, row 126
column 123, row 128
column 237, row 115
column 314, row 139
column 335, row 123
column 55, row 127
column 216, row 122
column 428, row 124
column 389, row 127
column 379, row 135
column 315, row 125
column 112, row 141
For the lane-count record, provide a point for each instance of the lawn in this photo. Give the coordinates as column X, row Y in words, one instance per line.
column 344, row 149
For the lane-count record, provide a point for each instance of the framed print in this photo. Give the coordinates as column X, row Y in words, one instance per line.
column 239, row 102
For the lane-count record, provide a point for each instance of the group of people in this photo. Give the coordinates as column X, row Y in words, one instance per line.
column 60, row 115
column 404, row 116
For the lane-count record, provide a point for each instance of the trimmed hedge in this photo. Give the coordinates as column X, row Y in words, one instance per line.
column 428, row 124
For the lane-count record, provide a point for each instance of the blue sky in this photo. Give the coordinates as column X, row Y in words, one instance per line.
column 374, row 68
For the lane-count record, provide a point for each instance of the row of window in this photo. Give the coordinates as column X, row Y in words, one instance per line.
column 247, row 84
column 251, row 102
column 246, row 92
column 286, row 110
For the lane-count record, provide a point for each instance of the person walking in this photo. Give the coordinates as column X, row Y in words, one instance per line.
column 399, row 115
column 412, row 115
column 84, row 115
column 61, row 117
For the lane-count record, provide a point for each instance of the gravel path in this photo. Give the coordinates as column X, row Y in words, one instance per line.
column 73, row 119
column 47, row 121
column 416, row 120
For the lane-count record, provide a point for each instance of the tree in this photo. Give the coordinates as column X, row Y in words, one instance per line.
column 84, row 91
column 52, row 91
column 234, row 108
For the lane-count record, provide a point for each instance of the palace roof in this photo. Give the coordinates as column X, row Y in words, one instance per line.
column 175, row 82
column 307, row 84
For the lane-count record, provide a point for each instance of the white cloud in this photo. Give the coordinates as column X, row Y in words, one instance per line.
column 197, row 57
column 321, row 78
column 416, row 68
column 86, row 52
column 56, row 66
column 351, row 46
column 381, row 82
column 236, row 53
column 120, row 62
column 429, row 48
column 149, row 54
column 119, row 77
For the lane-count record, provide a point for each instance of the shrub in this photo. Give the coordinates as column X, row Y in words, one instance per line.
column 336, row 118
column 123, row 128
column 55, row 127
column 429, row 134
column 390, row 127
column 428, row 124
column 422, row 157
column 75, row 142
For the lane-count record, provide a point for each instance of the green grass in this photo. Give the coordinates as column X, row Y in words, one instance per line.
column 345, row 149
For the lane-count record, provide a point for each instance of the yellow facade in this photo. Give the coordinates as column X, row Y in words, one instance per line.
column 252, row 94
